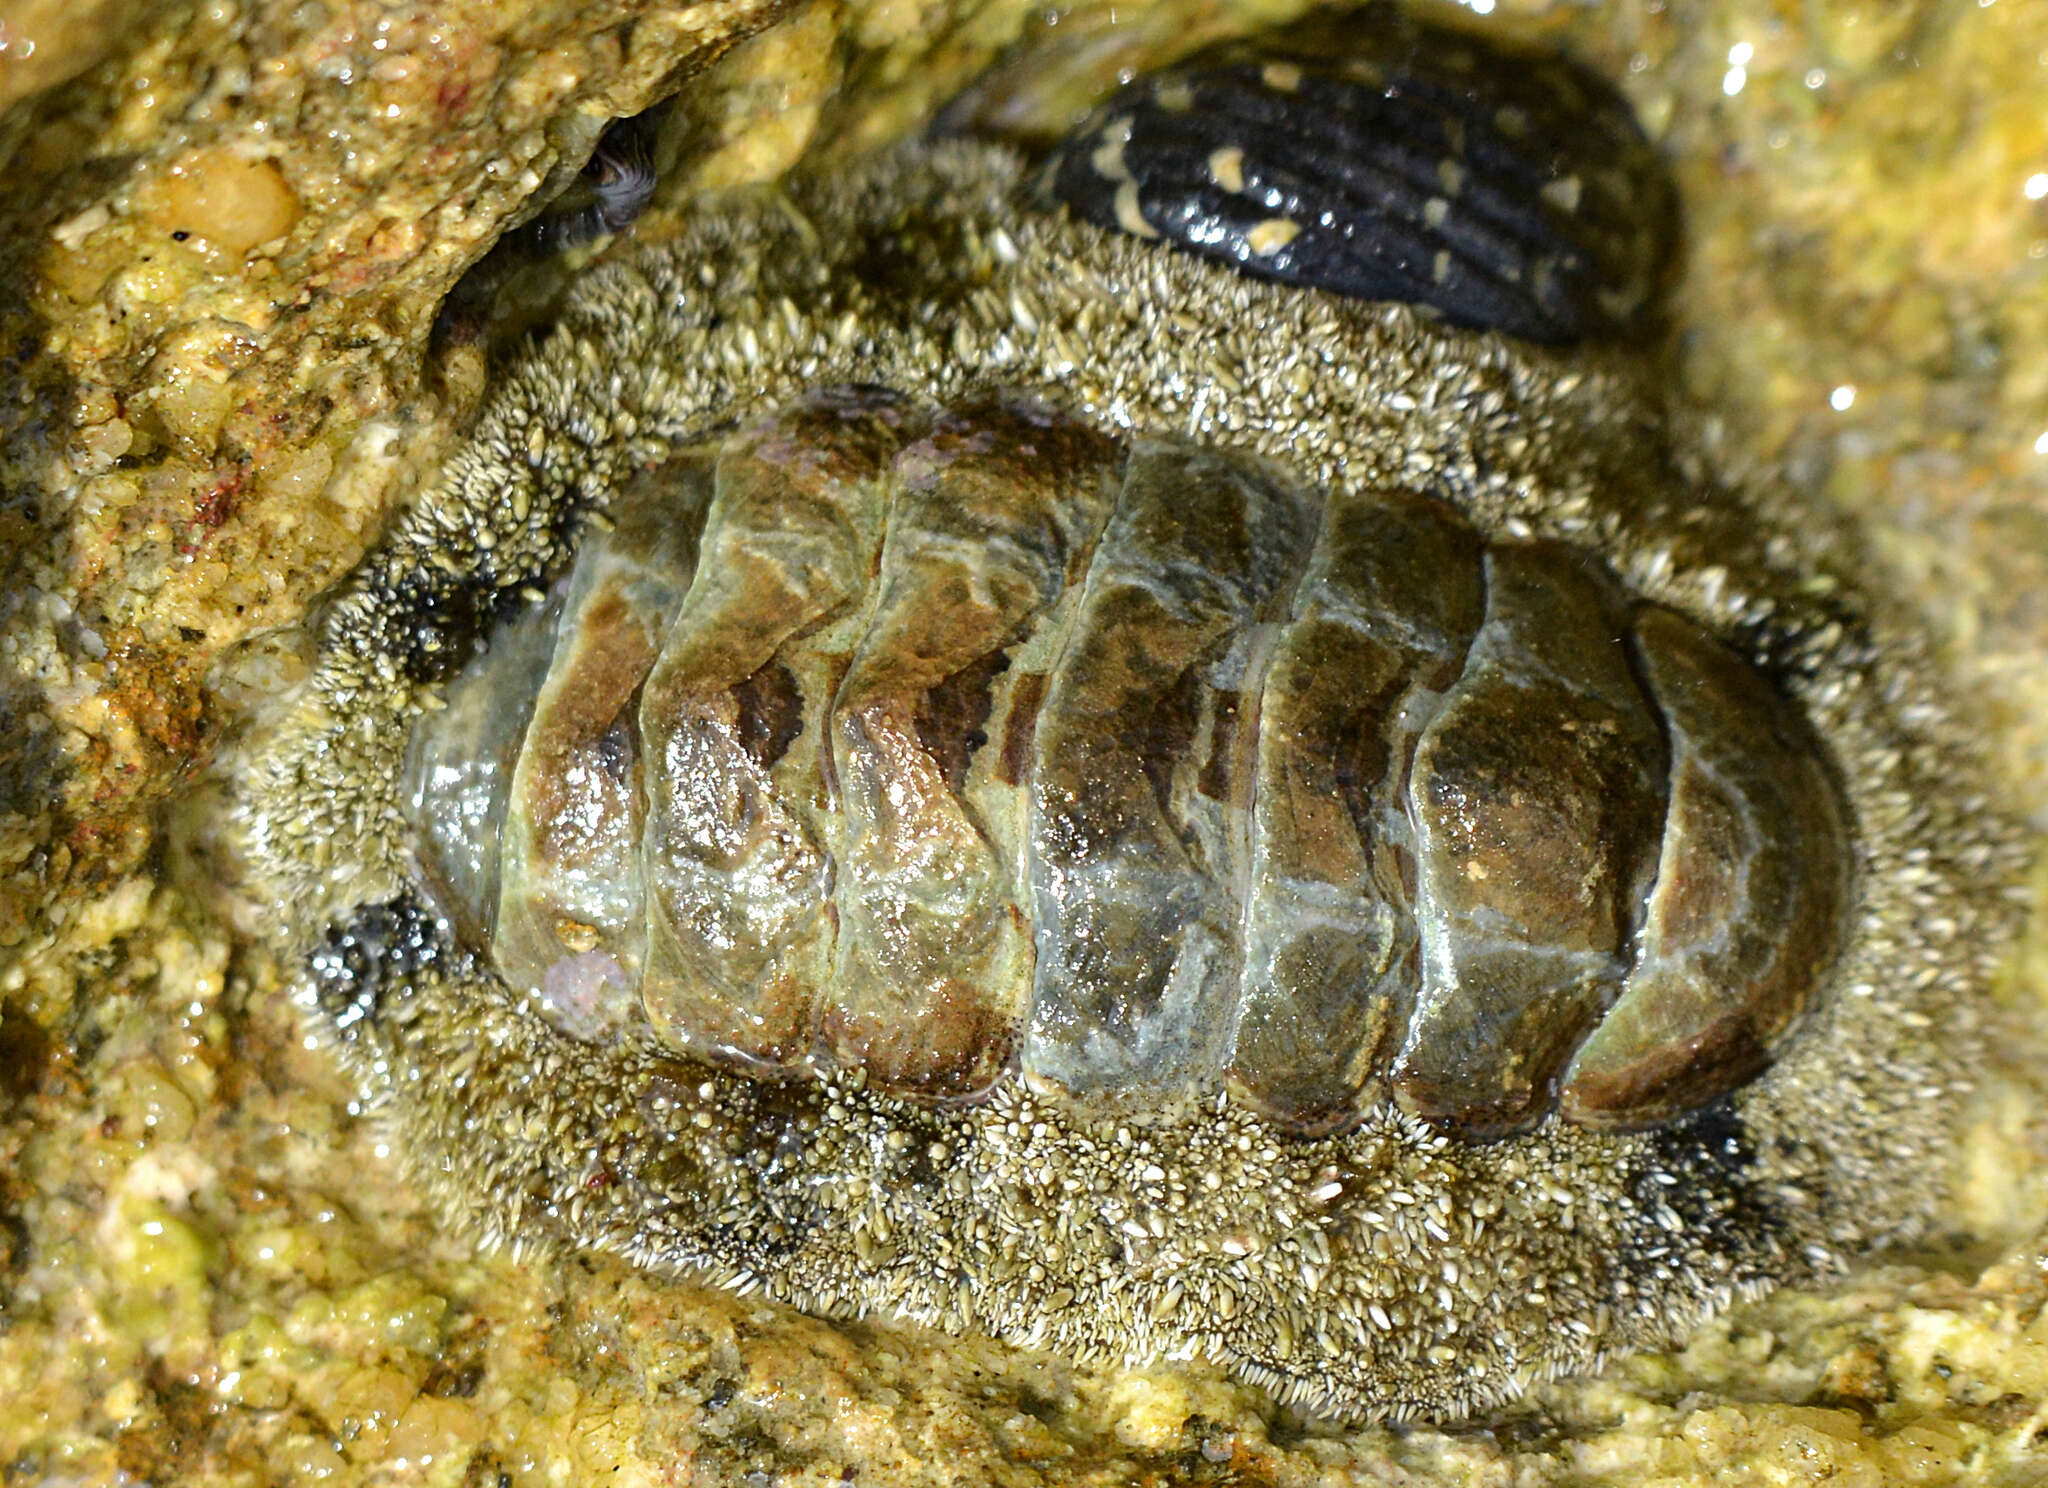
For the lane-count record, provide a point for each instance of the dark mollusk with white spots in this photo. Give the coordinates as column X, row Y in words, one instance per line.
column 1368, row 155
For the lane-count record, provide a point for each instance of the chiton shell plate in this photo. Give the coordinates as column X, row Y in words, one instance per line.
column 944, row 742
column 1056, row 1082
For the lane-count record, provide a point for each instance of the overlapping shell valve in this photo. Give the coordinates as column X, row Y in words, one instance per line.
column 939, row 740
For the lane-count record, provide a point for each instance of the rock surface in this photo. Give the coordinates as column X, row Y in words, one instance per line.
column 228, row 231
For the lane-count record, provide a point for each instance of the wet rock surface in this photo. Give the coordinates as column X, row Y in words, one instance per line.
column 227, row 237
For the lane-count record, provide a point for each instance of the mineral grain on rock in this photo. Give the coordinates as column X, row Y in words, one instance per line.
column 940, row 757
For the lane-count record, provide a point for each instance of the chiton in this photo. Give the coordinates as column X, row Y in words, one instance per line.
column 933, row 756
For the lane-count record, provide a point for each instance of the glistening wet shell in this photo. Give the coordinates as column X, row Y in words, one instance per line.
column 936, row 742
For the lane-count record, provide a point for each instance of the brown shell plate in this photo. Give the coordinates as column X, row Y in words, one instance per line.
column 941, row 740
